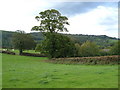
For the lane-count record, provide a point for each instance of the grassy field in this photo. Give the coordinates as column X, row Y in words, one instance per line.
column 0, row 71
column 32, row 72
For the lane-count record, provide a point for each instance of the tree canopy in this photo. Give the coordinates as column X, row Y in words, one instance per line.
column 51, row 21
column 89, row 49
column 61, row 47
column 23, row 41
column 116, row 48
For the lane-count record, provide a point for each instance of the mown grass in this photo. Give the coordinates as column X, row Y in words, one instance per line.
column 32, row 72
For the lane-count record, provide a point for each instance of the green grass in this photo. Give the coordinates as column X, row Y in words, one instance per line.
column 32, row 72
column 0, row 71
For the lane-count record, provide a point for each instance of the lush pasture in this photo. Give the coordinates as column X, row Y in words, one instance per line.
column 32, row 72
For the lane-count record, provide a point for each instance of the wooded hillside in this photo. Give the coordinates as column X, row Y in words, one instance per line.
column 102, row 40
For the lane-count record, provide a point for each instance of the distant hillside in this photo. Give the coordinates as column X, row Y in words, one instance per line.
column 6, row 38
column 102, row 40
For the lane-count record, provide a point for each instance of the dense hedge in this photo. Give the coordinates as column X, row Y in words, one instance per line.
column 7, row 52
column 88, row 60
column 33, row 54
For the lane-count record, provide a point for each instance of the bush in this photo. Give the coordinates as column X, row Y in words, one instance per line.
column 115, row 50
column 8, row 52
column 33, row 54
column 89, row 49
column 104, row 53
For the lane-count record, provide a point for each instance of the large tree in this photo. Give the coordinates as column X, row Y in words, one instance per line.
column 51, row 22
column 23, row 41
column 63, row 46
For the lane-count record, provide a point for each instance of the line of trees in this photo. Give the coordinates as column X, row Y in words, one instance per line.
column 103, row 42
column 57, row 45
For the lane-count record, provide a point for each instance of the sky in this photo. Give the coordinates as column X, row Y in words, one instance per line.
column 89, row 17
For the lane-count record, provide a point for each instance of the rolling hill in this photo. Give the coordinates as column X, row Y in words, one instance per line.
column 102, row 40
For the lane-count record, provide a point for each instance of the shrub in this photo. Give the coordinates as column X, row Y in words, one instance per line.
column 33, row 54
column 8, row 52
column 115, row 50
column 89, row 49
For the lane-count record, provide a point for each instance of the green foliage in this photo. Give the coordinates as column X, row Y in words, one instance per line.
column 89, row 49
column 23, row 41
column 116, row 48
column 58, row 45
column 51, row 21
column 6, row 39
column 104, row 53
column 103, row 42
column 37, row 36
column 78, row 49
column 38, row 48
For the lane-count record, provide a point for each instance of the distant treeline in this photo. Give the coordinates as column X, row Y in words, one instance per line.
column 102, row 40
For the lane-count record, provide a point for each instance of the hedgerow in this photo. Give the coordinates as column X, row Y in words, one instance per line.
column 88, row 60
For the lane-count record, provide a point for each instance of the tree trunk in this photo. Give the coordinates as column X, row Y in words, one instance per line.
column 20, row 51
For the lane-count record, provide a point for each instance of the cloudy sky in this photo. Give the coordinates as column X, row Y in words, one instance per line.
column 92, row 18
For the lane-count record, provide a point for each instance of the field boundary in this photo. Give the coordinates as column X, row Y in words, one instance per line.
column 87, row 60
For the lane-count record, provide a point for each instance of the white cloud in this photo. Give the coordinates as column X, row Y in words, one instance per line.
column 19, row 15
column 90, row 22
